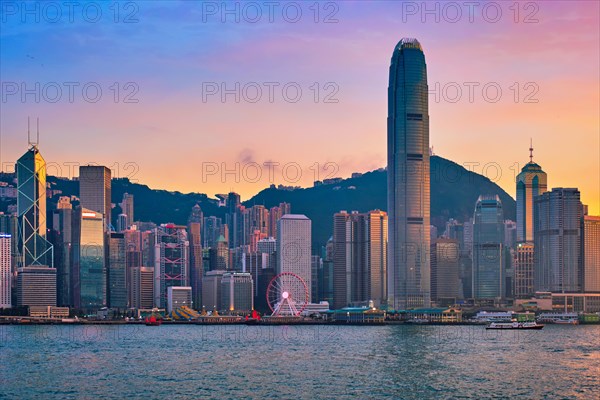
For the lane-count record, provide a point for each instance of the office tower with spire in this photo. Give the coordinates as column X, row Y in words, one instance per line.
column 531, row 182
column 31, row 205
column 95, row 190
column 558, row 264
column 488, row 249
column 408, row 178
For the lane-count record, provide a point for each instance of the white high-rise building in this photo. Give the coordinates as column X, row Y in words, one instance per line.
column 294, row 249
column 5, row 272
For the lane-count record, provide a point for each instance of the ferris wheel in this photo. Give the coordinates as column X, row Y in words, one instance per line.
column 287, row 295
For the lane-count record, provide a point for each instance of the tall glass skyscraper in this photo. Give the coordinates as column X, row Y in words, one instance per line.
column 89, row 267
column 408, row 178
column 31, row 205
column 488, row 249
column 557, row 250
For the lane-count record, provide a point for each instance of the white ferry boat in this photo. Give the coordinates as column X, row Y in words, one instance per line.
column 559, row 318
column 514, row 325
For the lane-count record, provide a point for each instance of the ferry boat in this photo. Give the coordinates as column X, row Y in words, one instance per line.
column 514, row 325
column 559, row 318
column 571, row 321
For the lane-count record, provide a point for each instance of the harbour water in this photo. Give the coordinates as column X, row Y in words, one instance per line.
column 307, row 362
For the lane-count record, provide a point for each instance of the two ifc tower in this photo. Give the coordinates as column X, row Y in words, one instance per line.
column 408, row 187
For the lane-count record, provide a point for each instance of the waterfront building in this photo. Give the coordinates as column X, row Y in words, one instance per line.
column 36, row 286
column 211, row 290
column 237, row 292
column 178, row 296
column 294, row 250
column 360, row 258
column 141, row 287
column 591, row 254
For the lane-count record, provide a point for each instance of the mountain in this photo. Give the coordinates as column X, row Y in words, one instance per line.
column 454, row 191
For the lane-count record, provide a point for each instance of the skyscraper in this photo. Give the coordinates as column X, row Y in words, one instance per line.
column 31, row 205
column 488, row 249
column 523, row 275
column 211, row 290
column 408, row 178
column 557, row 249
column 196, row 266
column 121, row 222
column 89, row 260
column 141, row 287
column 360, row 258
column 5, row 271
column 531, row 182
column 117, row 271
column 219, row 255
column 211, row 230
column 591, row 253
column 171, row 261
column 127, row 209
column 62, row 238
column 95, row 190
column 294, row 249
column 445, row 270
column 237, row 292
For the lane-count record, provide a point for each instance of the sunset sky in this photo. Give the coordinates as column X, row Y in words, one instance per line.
column 178, row 48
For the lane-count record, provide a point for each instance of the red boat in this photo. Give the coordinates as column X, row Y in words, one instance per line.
column 152, row 321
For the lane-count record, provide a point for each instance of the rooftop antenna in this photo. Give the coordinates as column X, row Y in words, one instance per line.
column 33, row 143
column 530, row 150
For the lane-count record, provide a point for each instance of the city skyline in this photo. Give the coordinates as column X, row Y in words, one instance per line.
column 509, row 52
column 230, row 204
